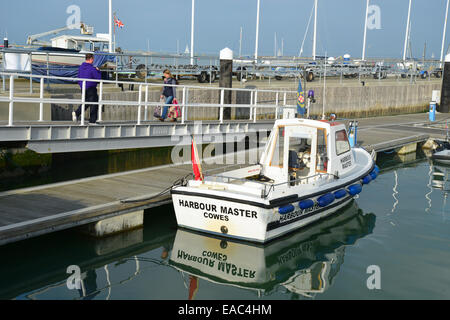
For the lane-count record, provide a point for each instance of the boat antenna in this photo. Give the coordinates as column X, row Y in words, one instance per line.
column 324, row 86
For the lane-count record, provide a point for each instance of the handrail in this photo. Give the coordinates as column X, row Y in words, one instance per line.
column 143, row 89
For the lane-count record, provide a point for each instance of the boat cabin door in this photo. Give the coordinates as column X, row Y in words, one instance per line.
column 291, row 153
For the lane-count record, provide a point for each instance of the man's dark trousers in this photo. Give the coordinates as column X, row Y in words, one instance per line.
column 91, row 96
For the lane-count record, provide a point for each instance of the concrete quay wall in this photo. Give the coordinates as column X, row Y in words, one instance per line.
column 345, row 101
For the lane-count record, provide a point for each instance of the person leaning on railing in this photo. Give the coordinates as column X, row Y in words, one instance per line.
column 88, row 71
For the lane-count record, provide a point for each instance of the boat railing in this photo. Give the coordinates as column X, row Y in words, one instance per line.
column 269, row 188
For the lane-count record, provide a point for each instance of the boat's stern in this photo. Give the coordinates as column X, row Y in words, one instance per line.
column 220, row 214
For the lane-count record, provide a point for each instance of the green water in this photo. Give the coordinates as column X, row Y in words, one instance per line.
column 400, row 223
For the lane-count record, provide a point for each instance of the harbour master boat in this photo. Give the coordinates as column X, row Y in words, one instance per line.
column 307, row 171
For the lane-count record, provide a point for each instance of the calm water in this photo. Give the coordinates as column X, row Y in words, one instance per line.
column 400, row 223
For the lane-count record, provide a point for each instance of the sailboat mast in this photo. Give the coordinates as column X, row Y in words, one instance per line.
column 315, row 30
column 365, row 32
column 407, row 31
column 192, row 31
column 443, row 35
column 110, row 16
column 257, row 31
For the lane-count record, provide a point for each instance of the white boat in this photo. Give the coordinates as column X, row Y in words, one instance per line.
column 307, row 171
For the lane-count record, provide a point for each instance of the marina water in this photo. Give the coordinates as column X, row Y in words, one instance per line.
column 393, row 242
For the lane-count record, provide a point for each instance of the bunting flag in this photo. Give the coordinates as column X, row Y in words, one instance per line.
column 193, row 287
column 301, row 109
column 196, row 167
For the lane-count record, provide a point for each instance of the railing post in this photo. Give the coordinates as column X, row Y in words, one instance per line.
column 83, row 101
column 100, row 103
column 251, row 103
column 11, row 101
column 183, row 106
column 41, row 103
column 146, row 102
column 255, row 108
column 276, row 108
column 139, row 105
column 222, row 99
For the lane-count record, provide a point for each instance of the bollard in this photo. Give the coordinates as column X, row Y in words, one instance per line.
column 225, row 81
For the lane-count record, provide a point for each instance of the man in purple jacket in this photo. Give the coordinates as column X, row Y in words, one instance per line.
column 88, row 71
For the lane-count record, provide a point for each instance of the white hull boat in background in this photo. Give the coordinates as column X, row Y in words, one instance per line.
column 307, row 172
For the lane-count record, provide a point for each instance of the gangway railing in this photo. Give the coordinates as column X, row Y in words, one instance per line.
column 142, row 104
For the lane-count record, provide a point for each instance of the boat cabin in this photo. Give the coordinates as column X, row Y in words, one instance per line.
column 301, row 148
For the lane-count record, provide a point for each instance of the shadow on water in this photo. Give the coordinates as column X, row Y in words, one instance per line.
column 305, row 262
column 35, row 263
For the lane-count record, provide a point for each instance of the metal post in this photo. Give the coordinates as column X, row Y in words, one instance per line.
column 41, row 103
column 255, row 108
column 83, row 101
column 146, row 104
column 251, row 103
column 100, row 103
column 11, row 101
column 222, row 98
column 183, row 108
column 276, row 103
column 31, row 78
column 139, row 105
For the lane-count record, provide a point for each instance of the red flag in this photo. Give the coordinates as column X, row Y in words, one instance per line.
column 193, row 287
column 196, row 167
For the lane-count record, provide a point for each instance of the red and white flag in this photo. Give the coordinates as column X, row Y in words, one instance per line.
column 118, row 23
column 196, row 166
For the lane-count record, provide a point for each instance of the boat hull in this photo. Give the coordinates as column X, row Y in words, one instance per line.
column 255, row 222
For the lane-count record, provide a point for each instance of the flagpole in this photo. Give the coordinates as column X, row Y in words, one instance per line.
column 110, row 26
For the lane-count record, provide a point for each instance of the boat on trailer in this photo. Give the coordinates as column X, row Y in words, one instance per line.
column 307, row 171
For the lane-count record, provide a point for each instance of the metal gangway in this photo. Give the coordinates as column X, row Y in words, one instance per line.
column 143, row 132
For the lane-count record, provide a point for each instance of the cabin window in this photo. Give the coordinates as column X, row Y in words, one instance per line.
column 322, row 157
column 342, row 144
column 278, row 152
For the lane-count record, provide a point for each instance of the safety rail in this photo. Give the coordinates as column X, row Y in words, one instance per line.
column 267, row 187
column 143, row 97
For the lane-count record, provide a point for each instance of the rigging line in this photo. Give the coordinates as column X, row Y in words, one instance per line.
column 306, row 33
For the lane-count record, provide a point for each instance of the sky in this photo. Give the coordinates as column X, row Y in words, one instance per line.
column 162, row 24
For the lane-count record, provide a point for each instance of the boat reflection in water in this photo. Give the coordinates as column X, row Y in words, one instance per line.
column 304, row 262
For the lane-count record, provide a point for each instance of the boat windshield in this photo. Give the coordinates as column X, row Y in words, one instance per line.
column 278, row 152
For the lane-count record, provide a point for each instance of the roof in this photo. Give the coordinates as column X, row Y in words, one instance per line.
column 308, row 122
